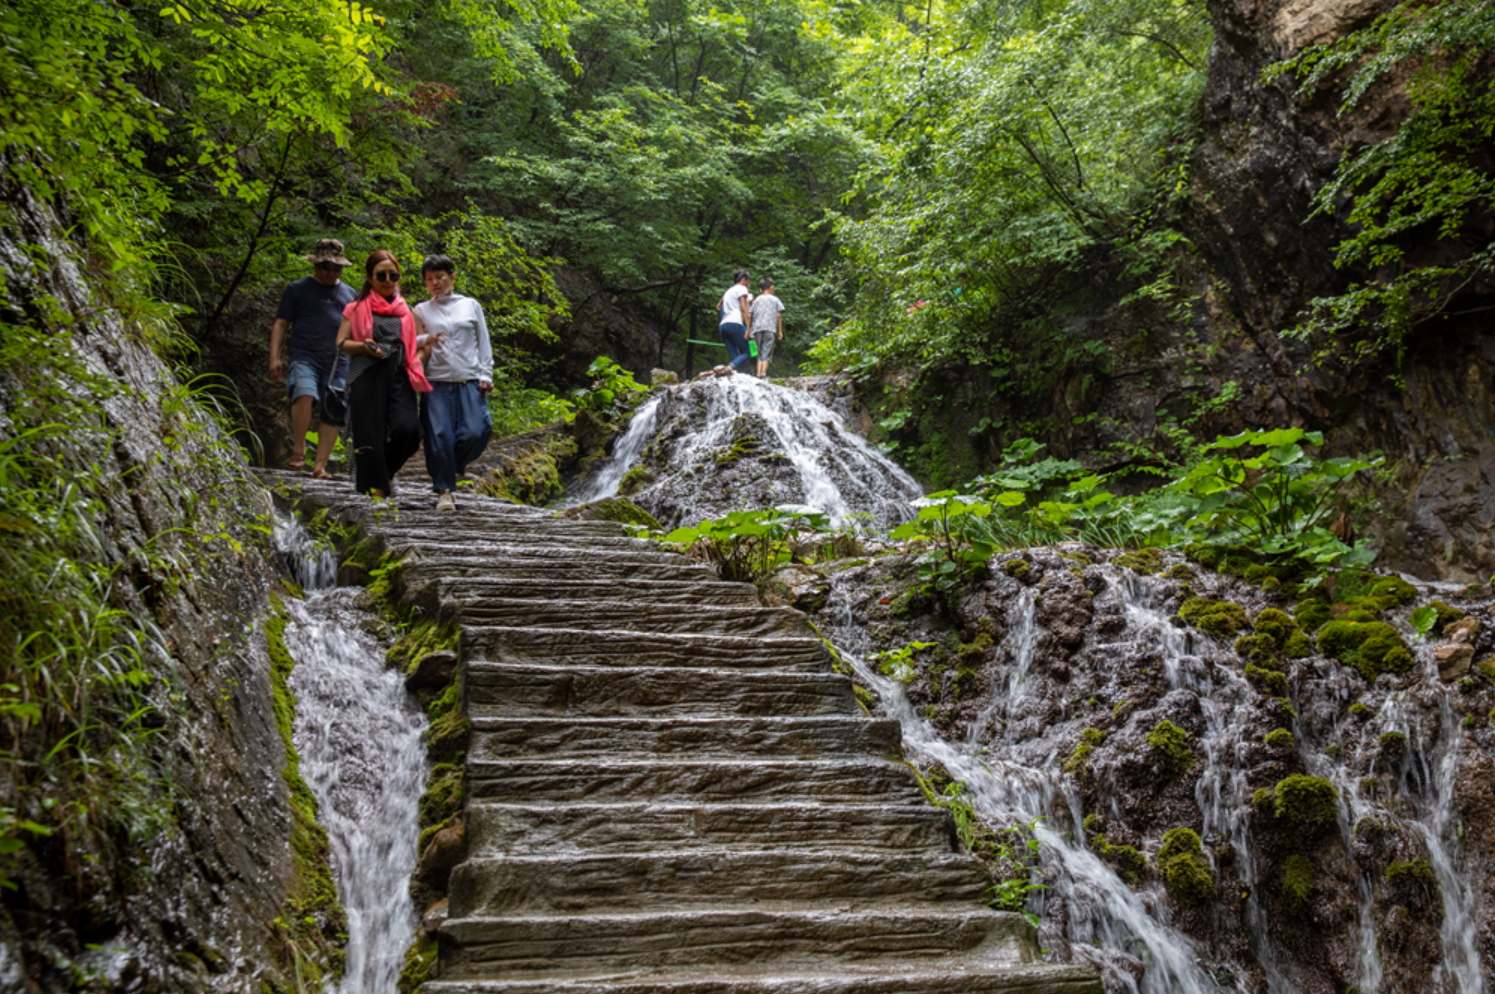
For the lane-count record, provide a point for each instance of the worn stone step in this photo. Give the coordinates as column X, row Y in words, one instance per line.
column 667, row 739
column 571, row 883
column 547, row 829
column 430, row 568
column 705, row 781
column 565, row 535
column 500, row 554
column 878, row 977
column 533, row 691
column 699, row 593
column 636, row 616
column 524, row 948
column 584, row 647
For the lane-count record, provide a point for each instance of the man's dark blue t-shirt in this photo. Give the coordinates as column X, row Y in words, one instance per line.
column 315, row 312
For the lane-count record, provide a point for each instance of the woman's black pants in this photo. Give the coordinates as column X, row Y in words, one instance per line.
column 385, row 422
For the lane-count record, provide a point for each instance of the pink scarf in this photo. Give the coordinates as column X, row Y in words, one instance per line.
column 360, row 315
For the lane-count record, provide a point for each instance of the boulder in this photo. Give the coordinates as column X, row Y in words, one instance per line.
column 1453, row 660
column 444, row 852
column 800, row 587
column 663, row 378
column 432, row 671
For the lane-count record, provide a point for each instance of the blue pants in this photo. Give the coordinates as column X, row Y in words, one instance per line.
column 457, row 426
column 734, row 335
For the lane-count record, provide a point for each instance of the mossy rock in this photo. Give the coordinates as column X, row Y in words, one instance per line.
column 1305, row 802
column 1298, row 646
column 1018, row 569
column 1186, row 872
column 533, row 477
column 1280, row 739
column 1296, row 884
column 1146, row 562
column 624, row 512
column 1416, row 871
column 1078, row 557
column 635, row 480
column 1473, row 592
column 973, row 652
column 1172, row 744
column 1446, row 616
column 446, row 790
column 1371, row 647
column 1312, row 614
column 420, row 965
column 1360, row 711
column 1273, row 683
column 1076, row 765
column 1262, row 798
column 1178, row 841
column 1181, row 572
column 1221, row 619
column 1128, row 863
column 1395, row 590
column 1257, row 648
column 1392, row 745
column 1276, row 626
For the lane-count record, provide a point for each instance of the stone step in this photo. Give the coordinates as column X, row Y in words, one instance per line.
column 700, row 593
column 530, row 948
column 542, row 532
column 636, row 616
column 542, row 572
column 667, row 739
column 500, row 554
column 583, row 647
column 535, row 829
column 820, row 781
column 533, row 691
column 574, row 884
column 884, row 977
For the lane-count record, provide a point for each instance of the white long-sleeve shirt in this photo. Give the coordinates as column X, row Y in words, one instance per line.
column 467, row 354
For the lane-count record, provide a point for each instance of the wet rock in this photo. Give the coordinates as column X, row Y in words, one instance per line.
column 797, row 586
column 663, row 378
column 434, row 916
column 1453, row 660
column 432, row 671
column 442, row 854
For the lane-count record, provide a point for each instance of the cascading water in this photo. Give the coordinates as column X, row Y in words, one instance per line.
column 721, row 444
column 359, row 738
column 1010, row 752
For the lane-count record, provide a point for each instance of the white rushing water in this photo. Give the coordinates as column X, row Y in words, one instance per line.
column 359, row 737
column 1009, row 762
column 839, row 472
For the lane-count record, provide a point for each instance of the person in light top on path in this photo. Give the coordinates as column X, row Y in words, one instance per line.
column 454, row 416
column 734, row 319
column 766, row 323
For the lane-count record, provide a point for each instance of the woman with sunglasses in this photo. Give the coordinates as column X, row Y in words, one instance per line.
column 385, row 372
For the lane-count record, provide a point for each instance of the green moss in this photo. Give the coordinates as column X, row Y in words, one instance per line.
column 1077, row 557
column 1259, row 572
column 1446, row 616
column 972, row 653
column 1128, row 863
column 1179, row 571
column 1016, row 568
column 1172, row 744
column 624, row 512
column 1144, row 561
column 1186, row 872
column 1372, row 647
column 1089, row 739
column 1280, row 738
column 1270, row 682
column 1305, row 802
column 635, row 480
column 1298, row 646
column 313, row 925
column 418, row 640
column 1261, row 798
column 1360, row 711
column 448, row 734
column 1221, row 619
column 1257, row 648
column 1277, row 626
column 534, row 476
column 1393, row 745
column 420, row 963
column 1296, row 884
column 1395, row 590
column 1092, row 822
column 1312, row 614
column 1417, row 871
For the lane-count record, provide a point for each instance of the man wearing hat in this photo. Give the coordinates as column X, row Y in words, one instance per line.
column 311, row 309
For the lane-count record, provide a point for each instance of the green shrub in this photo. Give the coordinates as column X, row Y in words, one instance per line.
column 1172, row 743
column 1306, row 802
column 1296, row 884
column 1221, row 619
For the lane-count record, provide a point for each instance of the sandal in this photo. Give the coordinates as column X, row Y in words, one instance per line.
column 320, row 474
column 296, row 465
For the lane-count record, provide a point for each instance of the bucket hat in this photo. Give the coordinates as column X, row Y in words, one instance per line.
column 329, row 250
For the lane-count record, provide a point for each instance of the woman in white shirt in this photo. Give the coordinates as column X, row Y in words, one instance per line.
column 734, row 319
column 454, row 415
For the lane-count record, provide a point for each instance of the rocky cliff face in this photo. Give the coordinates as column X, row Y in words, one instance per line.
column 187, row 887
column 1217, row 354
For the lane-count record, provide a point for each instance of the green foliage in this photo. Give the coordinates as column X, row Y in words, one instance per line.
column 613, row 392
column 1432, row 175
column 898, row 664
column 1423, row 619
column 749, row 545
column 516, row 408
column 1296, row 884
column 1171, row 743
column 1305, row 802
column 944, row 521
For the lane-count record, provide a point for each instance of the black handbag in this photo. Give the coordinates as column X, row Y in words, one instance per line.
column 334, row 411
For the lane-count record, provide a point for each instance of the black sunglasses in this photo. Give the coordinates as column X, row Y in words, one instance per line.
column 387, row 276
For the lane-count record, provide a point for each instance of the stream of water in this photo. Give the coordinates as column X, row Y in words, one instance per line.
column 1009, row 761
column 359, row 737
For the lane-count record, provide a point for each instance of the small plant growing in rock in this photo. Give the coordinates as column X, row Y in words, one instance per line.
column 1078, row 760
column 1305, row 802
column 1171, row 743
column 1185, row 871
column 1296, row 884
column 1423, row 619
column 898, row 664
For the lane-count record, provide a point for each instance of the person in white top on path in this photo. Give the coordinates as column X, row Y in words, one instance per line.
column 454, row 415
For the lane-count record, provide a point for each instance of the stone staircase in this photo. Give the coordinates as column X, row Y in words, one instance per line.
column 669, row 791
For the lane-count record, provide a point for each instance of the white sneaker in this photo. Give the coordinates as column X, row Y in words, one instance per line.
column 446, row 502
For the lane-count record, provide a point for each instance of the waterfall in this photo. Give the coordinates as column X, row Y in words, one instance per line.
column 1009, row 757
column 724, row 443
column 359, row 737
